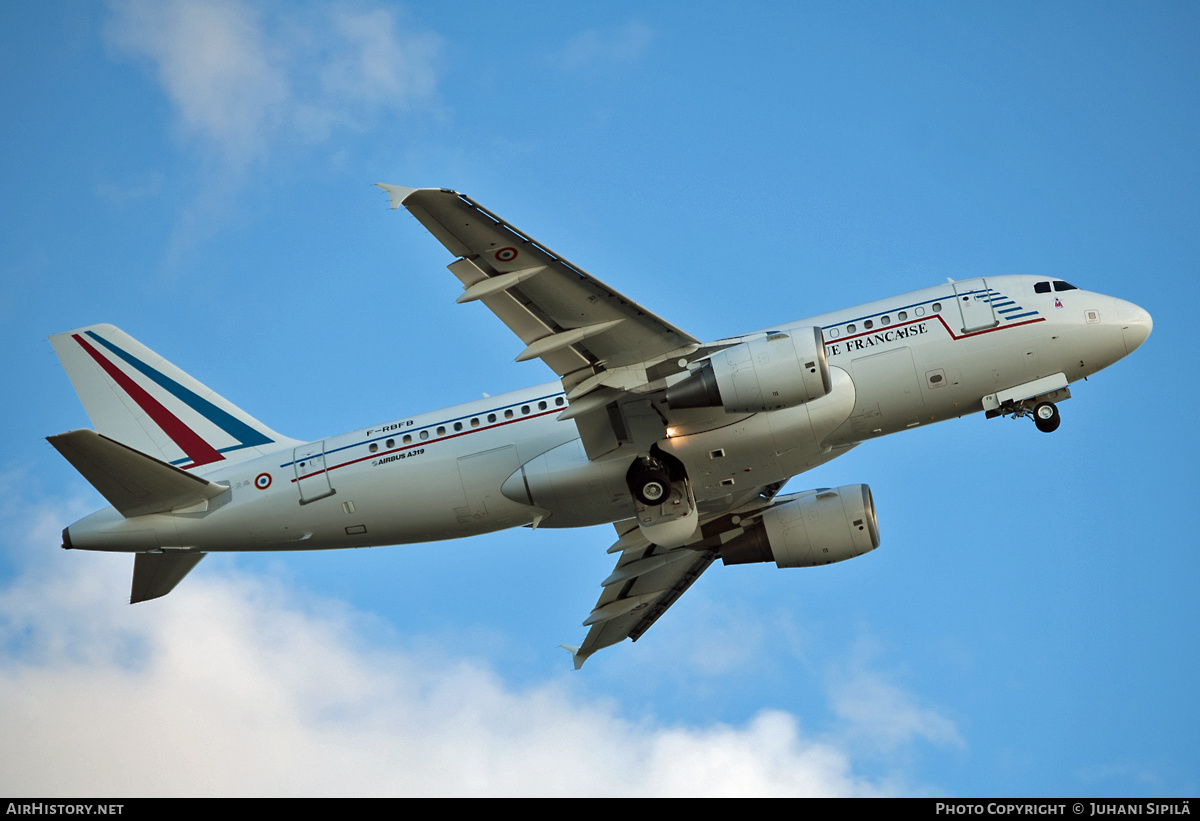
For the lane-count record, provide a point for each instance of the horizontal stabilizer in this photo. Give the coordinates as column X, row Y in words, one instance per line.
column 156, row 574
column 132, row 482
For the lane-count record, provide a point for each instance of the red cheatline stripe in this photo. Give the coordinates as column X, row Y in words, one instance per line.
column 938, row 317
column 420, row 444
column 199, row 451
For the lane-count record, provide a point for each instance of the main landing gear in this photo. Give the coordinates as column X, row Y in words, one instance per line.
column 663, row 500
column 649, row 481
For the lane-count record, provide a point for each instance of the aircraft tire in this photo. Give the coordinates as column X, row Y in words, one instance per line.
column 652, row 485
column 1046, row 417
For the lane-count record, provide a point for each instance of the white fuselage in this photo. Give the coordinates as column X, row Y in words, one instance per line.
column 895, row 364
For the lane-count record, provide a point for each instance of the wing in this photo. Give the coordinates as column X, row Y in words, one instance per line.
column 615, row 358
column 649, row 578
column 646, row 581
column 565, row 317
column 602, row 344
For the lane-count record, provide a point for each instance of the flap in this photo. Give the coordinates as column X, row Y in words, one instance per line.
column 643, row 585
column 648, row 578
column 564, row 316
column 597, row 340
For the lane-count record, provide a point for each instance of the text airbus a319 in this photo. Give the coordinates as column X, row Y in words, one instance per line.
column 683, row 445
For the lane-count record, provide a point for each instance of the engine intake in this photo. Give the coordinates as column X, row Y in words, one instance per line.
column 768, row 373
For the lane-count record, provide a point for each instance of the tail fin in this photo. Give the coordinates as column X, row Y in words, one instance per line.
column 137, row 398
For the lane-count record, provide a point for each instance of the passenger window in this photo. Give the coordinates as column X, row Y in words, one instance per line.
column 391, row 443
column 424, row 434
column 474, row 423
column 491, row 417
column 541, row 405
column 558, row 400
column 903, row 315
column 458, row 426
column 524, row 409
column 937, row 306
column 508, row 414
column 441, row 431
column 1042, row 288
column 407, row 439
column 868, row 324
column 887, row 320
column 1059, row 285
column 374, row 447
column 851, row 328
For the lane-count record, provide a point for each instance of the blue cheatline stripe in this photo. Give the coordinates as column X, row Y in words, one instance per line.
column 1018, row 316
column 246, row 435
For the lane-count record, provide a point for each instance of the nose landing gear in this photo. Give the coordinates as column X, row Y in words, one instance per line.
column 1036, row 399
column 1046, row 417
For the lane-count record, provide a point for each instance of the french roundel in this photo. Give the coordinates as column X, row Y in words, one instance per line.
column 262, row 481
column 506, row 254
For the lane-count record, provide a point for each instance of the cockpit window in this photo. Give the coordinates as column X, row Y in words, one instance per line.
column 1042, row 288
column 1059, row 285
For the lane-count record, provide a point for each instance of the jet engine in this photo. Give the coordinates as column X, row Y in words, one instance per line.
column 779, row 370
column 808, row 529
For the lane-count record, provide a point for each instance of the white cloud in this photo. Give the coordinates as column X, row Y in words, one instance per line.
column 231, row 689
column 242, row 78
column 121, row 193
column 881, row 716
column 373, row 65
column 890, row 716
column 232, row 686
column 594, row 48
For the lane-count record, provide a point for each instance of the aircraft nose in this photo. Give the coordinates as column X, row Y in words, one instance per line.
column 1136, row 325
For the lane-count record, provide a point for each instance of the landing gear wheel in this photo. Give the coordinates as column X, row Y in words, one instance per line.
column 1046, row 418
column 650, row 482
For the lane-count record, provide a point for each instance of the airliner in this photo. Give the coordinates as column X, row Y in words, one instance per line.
column 683, row 445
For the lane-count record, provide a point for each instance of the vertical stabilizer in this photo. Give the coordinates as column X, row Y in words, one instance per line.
column 137, row 398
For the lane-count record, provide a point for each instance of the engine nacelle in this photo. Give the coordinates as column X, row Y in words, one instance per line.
column 768, row 373
column 808, row 529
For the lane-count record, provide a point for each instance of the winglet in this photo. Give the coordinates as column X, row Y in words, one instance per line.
column 396, row 193
column 575, row 657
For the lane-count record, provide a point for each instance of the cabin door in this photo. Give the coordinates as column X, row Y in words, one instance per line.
column 975, row 304
column 312, row 478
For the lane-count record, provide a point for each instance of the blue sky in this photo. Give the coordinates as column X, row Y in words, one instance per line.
column 200, row 173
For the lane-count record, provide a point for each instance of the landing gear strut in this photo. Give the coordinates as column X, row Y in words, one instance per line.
column 1046, row 417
